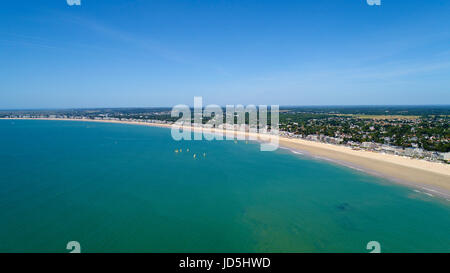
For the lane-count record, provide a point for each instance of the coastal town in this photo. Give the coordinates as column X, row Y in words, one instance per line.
column 424, row 134
column 421, row 135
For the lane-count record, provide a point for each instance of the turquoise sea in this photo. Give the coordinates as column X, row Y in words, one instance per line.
column 122, row 188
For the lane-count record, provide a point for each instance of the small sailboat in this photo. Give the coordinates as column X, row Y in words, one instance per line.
column 194, row 156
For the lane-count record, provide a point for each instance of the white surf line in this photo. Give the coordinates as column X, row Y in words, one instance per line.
column 341, row 163
column 292, row 150
column 434, row 191
column 432, row 195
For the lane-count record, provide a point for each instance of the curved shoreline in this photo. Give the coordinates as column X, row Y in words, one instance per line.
column 429, row 190
column 430, row 177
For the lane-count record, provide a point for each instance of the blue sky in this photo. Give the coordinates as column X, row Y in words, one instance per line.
column 120, row 53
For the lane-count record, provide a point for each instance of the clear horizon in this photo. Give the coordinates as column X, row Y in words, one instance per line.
column 281, row 106
column 122, row 54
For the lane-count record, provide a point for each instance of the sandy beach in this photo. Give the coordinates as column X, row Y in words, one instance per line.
column 429, row 177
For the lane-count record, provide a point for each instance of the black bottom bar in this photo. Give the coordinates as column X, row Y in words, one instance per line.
column 224, row 262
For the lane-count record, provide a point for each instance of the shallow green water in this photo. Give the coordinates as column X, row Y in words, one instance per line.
column 121, row 188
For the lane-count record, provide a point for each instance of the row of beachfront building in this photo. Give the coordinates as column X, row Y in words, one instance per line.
column 413, row 152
